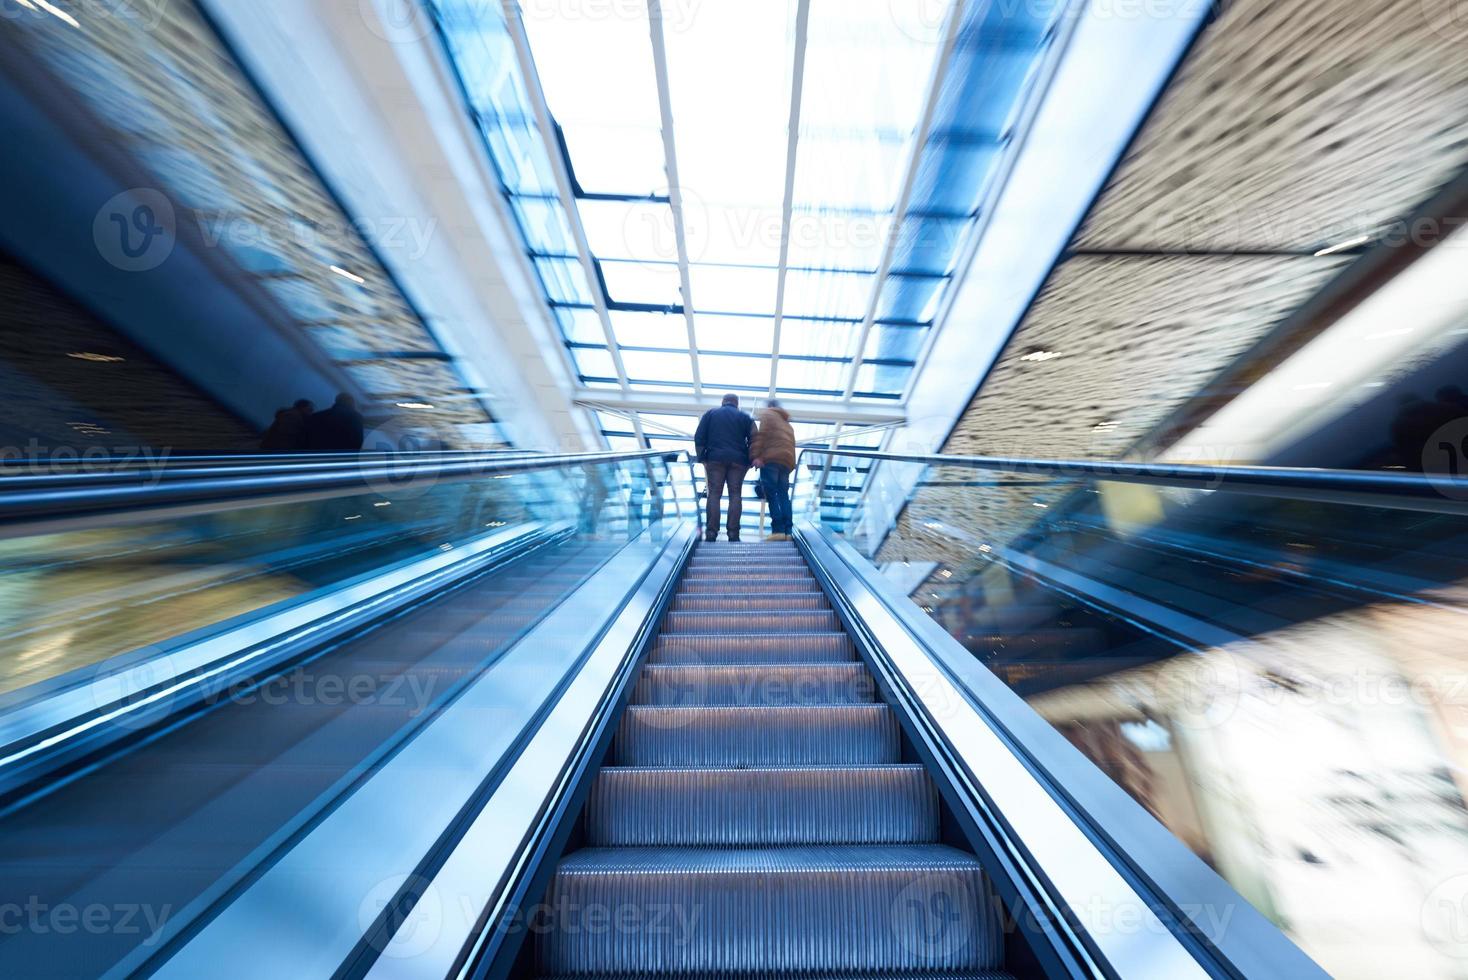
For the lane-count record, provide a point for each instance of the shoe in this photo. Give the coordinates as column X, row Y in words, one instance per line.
column 733, row 540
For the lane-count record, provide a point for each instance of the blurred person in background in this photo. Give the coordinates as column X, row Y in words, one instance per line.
column 721, row 444
column 773, row 449
column 287, row 434
column 339, row 429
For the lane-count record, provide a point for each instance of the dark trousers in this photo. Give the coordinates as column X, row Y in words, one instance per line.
column 721, row 475
column 776, row 481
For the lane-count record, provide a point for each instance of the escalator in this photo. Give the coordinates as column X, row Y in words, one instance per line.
column 758, row 777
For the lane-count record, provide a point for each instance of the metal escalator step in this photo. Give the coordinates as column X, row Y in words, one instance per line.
column 751, row 622
column 744, row 737
column 835, row 909
column 733, row 601
column 745, row 547
column 972, row 975
column 794, row 561
column 765, row 648
column 725, row 574
column 783, row 585
column 743, row 807
column 689, row 686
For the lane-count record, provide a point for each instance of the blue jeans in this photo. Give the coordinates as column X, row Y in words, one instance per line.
column 776, row 481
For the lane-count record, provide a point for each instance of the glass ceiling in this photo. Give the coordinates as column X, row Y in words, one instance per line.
column 701, row 300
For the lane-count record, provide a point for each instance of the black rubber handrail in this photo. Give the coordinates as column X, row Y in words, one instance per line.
column 26, row 499
column 1394, row 489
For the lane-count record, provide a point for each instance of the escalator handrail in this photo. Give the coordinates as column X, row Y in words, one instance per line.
column 82, row 495
column 1394, row 489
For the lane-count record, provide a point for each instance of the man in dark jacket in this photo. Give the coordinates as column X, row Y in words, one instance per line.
column 722, row 446
column 339, row 429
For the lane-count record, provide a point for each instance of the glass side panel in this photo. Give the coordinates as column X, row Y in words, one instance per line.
column 1282, row 683
column 174, row 820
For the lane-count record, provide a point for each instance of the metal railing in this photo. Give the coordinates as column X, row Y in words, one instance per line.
column 83, row 496
column 1394, row 489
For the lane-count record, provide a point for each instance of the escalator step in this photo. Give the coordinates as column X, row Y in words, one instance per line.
column 978, row 975
column 834, row 909
column 725, row 574
column 765, row 684
column 723, row 584
column 740, row 737
column 751, row 622
column 730, row 602
column 742, row 807
column 769, row 648
column 733, row 565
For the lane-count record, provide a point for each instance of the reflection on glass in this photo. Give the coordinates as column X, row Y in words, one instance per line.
column 1281, row 683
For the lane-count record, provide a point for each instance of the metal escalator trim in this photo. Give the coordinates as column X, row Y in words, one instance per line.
column 788, row 909
column 422, row 819
column 646, row 807
column 84, row 711
column 952, row 699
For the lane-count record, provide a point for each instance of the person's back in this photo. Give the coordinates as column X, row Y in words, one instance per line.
column 339, row 429
column 721, row 444
column 773, row 449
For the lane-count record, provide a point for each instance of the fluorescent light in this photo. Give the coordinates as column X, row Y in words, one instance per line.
column 414, row 405
column 86, row 355
column 1040, row 356
column 347, row 275
column 1343, row 246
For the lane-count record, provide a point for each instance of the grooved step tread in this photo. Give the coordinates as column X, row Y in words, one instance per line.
column 781, row 909
column 693, row 685
column 750, row 601
column 768, row 806
column 747, row 737
column 765, row 648
column 734, row 623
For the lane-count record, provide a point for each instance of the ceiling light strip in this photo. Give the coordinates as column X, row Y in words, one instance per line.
column 909, row 180
column 567, row 196
column 675, row 187
column 797, row 90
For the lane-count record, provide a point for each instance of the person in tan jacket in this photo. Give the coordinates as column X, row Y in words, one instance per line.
column 773, row 452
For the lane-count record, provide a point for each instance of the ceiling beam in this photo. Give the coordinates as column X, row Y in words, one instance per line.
column 546, row 124
column 802, row 410
column 675, row 187
column 941, row 63
column 797, row 90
